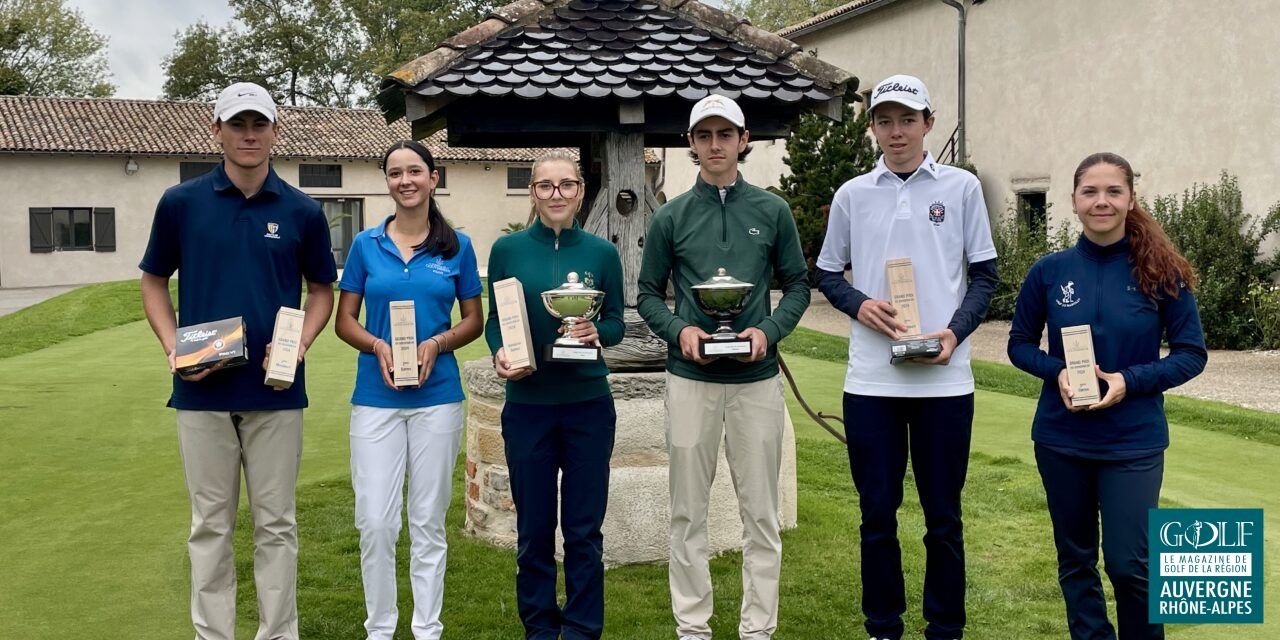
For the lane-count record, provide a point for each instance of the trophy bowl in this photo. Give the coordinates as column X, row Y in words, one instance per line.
column 722, row 298
column 571, row 302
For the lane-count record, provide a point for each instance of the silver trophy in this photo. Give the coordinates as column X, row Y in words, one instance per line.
column 722, row 298
column 571, row 302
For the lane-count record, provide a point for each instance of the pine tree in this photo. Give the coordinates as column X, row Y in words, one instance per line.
column 823, row 154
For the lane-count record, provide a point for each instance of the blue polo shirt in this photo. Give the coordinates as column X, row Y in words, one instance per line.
column 238, row 256
column 375, row 270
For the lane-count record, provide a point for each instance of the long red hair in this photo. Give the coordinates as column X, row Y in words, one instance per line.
column 1158, row 265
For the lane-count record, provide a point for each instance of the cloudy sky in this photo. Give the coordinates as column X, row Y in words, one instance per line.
column 141, row 33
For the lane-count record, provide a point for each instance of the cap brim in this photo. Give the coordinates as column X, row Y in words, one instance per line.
column 740, row 125
column 234, row 110
column 910, row 104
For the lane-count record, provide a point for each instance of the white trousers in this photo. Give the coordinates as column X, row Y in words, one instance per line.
column 385, row 443
column 749, row 419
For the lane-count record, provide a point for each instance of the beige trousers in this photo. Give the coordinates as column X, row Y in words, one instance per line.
column 749, row 419
column 215, row 445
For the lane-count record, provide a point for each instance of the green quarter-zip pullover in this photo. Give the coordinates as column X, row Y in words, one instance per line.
column 752, row 235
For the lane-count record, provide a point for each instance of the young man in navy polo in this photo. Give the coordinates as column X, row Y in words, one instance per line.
column 909, row 206
column 243, row 242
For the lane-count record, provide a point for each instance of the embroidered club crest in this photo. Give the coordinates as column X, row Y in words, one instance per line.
column 937, row 213
column 588, row 280
column 1069, row 298
column 272, row 227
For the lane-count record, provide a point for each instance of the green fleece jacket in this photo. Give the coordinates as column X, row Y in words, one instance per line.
column 542, row 260
column 753, row 236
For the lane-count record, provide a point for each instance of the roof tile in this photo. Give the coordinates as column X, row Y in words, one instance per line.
column 30, row 124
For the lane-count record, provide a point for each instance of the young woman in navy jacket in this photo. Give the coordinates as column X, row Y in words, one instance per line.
column 1126, row 280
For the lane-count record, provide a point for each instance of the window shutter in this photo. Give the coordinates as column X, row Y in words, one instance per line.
column 104, row 229
column 41, row 230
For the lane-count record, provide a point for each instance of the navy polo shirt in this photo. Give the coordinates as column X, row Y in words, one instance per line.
column 238, row 256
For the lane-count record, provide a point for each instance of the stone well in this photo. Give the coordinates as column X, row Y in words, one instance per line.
column 637, row 524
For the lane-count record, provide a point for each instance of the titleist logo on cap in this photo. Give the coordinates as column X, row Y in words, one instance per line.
column 893, row 86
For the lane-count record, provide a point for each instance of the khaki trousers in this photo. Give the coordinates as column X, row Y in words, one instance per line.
column 215, row 445
column 749, row 419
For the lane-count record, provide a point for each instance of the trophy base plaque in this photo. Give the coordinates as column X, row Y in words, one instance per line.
column 1077, row 350
column 404, row 344
column 903, row 350
column 716, row 347
column 571, row 353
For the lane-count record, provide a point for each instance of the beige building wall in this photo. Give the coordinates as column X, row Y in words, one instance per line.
column 476, row 201
column 1182, row 89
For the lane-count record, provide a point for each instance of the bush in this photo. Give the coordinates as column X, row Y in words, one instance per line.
column 1017, row 248
column 823, row 154
column 1266, row 308
column 1223, row 243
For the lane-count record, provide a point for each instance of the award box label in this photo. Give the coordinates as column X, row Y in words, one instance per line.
column 513, row 319
column 201, row 346
column 404, row 344
column 902, row 294
column 286, row 339
column 1077, row 350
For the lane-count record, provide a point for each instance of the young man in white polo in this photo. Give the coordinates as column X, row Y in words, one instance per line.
column 723, row 222
column 909, row 206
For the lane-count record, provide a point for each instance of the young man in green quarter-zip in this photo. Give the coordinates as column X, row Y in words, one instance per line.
column 723, row 222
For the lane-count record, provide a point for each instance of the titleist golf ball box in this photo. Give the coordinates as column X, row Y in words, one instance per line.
column 210, row 344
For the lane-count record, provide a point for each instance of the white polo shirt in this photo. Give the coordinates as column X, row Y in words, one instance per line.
column 938, row 219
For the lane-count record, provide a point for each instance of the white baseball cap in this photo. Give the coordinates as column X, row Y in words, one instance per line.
column 717, row 105
column 902, row 89
column 244, row 96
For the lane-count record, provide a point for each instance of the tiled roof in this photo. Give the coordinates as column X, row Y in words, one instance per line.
column 615, row 49
column 845, row 10
column 156, row 128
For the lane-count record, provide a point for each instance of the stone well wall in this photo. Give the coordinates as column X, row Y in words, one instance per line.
column 637, row 524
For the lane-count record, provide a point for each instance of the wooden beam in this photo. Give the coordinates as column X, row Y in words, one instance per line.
column 417, row 107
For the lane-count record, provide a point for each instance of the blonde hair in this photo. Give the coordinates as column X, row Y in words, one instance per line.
column 556, row 155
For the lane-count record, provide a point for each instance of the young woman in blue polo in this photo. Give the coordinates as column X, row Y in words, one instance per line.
column 558, row 420
column 413, row 255
column 1126, row 280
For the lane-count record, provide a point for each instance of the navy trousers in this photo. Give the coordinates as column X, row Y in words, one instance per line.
column 573, row 441
column 1121, row 491
column 934, row 433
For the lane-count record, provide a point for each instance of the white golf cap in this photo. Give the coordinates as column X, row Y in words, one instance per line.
column 715, row 105
column 244, row 96
column 902, row 89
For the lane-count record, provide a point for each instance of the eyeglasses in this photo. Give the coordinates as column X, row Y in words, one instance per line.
column 546, row 189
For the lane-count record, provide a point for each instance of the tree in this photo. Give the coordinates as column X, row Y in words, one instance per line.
column 300, row 50
column 823, row 154
column 47, row 49
column 396, row 32
column 773, row 15
column 198, row 67
column 318, row 52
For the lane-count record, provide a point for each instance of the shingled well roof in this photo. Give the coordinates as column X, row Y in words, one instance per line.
column 625, row 49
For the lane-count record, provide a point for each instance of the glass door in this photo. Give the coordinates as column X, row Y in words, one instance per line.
column 346, row 219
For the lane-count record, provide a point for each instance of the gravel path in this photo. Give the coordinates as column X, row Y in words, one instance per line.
column 1245, row 378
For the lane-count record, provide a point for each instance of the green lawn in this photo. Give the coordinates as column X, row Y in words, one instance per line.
column 95, row 514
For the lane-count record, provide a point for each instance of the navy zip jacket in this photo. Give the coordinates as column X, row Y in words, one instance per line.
column 1094, row 285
